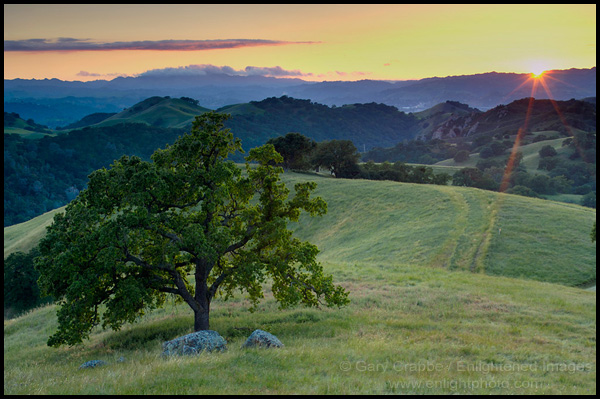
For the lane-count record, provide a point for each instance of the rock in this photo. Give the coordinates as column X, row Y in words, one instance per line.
column 194, row 343
column 262, row 339
column 93, row 363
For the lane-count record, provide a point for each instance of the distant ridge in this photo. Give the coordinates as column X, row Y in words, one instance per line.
column 482, row 91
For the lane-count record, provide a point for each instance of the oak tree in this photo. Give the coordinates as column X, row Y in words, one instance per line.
column 189, row 223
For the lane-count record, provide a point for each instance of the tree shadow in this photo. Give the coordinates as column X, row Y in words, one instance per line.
column 149, row 333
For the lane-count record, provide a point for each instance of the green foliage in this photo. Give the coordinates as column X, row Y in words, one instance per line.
column 473, row 177
column 522, row 190
column 547, row 151
column 141, row 228
column 339, row 156
column 39, row 175
column 369, row 124
column 414, row 151
column 12, row 119
column 21, row 291
column 295, row 149
column 400, row 172
column 589, row 199
column 461, row 156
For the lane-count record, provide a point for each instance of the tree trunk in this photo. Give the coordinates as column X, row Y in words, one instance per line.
column 201, row 321
column 201, row 315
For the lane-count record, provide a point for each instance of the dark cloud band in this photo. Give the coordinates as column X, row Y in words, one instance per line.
column 207, row 69
column 70, row 44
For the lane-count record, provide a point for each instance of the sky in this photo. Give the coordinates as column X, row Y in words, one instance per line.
column 311, row 42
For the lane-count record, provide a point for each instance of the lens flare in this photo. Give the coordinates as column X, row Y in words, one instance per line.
column 537, row 74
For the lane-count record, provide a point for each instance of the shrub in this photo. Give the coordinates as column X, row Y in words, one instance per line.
column 461, row 156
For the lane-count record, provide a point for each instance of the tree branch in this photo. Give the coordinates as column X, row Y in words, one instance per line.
column 215, row 286
column 177, row 279
column 247, row 237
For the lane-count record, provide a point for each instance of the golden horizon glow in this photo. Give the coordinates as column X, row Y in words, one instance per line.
column 319, row 42
column 538, row 74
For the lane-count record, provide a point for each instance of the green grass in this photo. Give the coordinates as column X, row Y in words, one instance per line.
column 28, row 134
column 164, row 112
column 452, row 227
column 409, row 319
column 531, row 158
column 24, row 236
column 429, row 312
column 241, row 109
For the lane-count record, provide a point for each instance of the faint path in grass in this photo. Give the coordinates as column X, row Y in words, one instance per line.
column 467, row 245
column 490, row 219
column 446, row 255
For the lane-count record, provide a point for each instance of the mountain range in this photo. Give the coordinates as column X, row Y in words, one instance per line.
column 54, row 102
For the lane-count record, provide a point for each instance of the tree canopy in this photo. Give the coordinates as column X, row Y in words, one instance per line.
column 339, row 156
column 295, row 149
column 141, row 229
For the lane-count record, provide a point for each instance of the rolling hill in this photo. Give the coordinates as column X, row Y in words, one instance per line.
column 432, row 309
column 158, row 112
column 506, row 119
column 455, row 228
column 14, row 124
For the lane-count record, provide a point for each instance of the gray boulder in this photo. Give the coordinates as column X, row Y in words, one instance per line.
column 93, row 363
column 262, row 339
column 195, row 343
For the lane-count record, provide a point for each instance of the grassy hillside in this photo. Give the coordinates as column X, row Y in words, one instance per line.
column 24, row 236
column 14, row 124
column 453, row 227
column 425, row 317
column 159, row 112
column 241, row 109
column 531, row 157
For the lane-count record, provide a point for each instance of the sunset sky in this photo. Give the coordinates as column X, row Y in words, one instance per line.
column 311, row 42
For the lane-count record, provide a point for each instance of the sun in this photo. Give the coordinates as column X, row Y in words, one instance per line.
column 538, row 73
column 537, row 68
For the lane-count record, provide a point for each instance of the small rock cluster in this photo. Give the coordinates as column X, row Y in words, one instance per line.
column 92, row 364
column 194, row 343
column 262, row 339
column 200, row 341
column 209, row 341
column 98, row 363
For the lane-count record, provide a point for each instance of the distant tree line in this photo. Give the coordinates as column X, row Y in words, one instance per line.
column 341, row 159
column 364, row 124
column 572, row 174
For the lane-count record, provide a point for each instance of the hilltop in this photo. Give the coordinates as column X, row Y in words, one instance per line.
column 506, row 119
column 158, row 112
column 426, row 267
column 14, row 124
